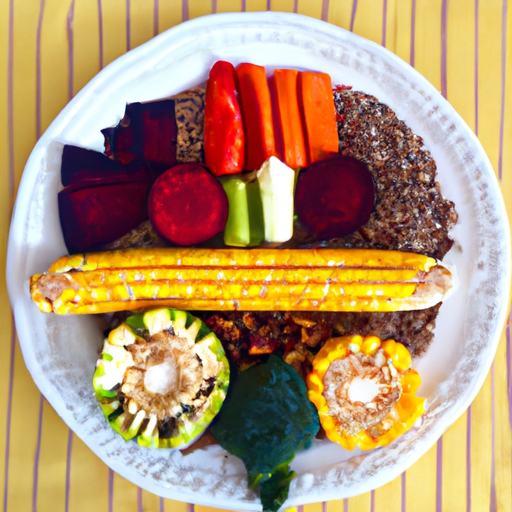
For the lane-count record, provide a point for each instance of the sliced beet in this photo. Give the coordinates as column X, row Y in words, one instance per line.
column 76, row 160
column 95, row 215
column 335, row 196
column 187, row 205
column 88, row 167
column 147, row 132
column 136, row 171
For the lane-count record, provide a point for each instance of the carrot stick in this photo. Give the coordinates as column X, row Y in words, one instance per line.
column 257, row 115
column 318, row 110
column 289, row 120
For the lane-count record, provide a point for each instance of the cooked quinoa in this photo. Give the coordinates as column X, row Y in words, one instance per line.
column 410, row 212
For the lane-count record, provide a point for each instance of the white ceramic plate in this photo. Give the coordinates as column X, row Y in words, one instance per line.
column 61, row 352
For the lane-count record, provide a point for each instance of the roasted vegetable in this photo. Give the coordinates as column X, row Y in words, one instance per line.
column 259, row 279
column 266, row 420
column 365, row 391
column 335, row 196
column 187, row 205
column 147, row 132
column 99, row 210
column 162, row 378
column 288, row 121
column 257, row 115
column 245, row 220
column 319, row 115
column 224, row 138
column 77, row 160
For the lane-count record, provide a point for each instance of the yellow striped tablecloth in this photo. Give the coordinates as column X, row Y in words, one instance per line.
column 51, row 48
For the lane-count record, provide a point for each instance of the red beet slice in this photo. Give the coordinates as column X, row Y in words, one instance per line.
column 76, row 160
column 136, row 171
column 335, row 196
column 148, row 132
column 95, row 215
column 187, row 205
column 88, row 167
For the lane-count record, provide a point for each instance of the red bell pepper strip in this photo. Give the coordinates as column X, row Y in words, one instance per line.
column 224, row 139
column 289, row 122
column 257, row 115
column 319, row 114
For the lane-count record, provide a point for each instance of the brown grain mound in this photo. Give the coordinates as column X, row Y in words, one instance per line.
column 410, row 212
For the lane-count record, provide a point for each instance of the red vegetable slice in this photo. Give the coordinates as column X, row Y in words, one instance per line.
column 148, row 132
column 76, row 160
column 187, row 205
column 224, row 140
column 335, row 196
column 136, row 171
column 94, row 215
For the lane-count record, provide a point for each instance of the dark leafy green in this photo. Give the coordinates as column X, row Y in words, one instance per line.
column 265, row 421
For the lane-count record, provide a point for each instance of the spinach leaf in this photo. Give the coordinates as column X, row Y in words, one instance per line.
column 265, row 420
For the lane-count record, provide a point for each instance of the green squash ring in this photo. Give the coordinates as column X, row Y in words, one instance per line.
column 116, row 359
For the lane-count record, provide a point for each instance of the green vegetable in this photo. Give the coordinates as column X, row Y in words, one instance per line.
column 245, row 220
column 162, row 378
column 265, row 420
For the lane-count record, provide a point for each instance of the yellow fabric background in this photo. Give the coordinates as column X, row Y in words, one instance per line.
column 35, row 84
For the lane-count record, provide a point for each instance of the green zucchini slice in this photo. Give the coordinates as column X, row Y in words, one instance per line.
column 162, row 378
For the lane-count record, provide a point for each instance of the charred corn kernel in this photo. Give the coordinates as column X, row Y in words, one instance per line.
column 398, row 354
column 410, row 381
column 370, row 345
column 346, row 387
column 338, row 353
column 229, row 279
column 389, row 348
column 355, row 344
column 402, row 357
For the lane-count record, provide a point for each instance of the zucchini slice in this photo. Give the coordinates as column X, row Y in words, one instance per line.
column 162, row 378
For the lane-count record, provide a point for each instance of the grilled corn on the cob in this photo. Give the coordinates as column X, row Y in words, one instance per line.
column 228, row 279
column 365, row 391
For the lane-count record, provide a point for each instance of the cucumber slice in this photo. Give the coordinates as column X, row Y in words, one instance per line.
column 165, row 390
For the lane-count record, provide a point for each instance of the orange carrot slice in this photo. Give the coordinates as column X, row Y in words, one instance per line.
column 289, row 120
column 257, row 114
column 319, row 113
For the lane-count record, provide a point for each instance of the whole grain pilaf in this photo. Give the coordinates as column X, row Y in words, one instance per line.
column 410, row 213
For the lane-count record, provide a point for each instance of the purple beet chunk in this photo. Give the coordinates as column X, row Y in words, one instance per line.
column 148, row 132
column 76, row 160
column 136, row 171
column 95, row 215
column 335, row 196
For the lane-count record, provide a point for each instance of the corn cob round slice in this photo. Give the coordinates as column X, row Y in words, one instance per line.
column 364, row 390
column 162, row 378
column 254, row 280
